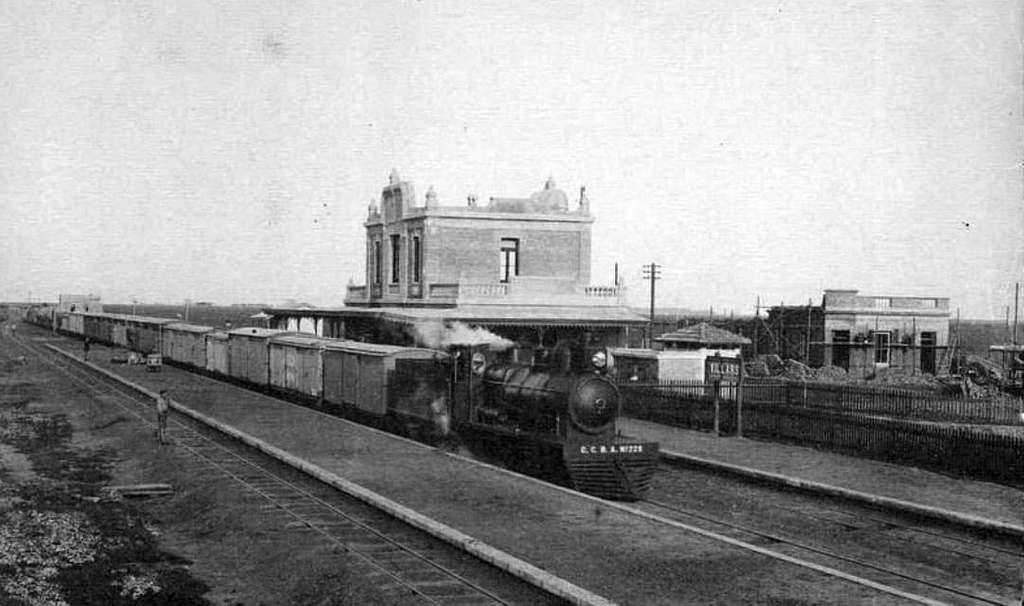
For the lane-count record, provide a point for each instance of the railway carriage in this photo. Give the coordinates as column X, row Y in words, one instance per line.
column 76, row 323
column 248, row 354
column 144, row 334
column 217, row 353
column 185, row 343
column 397, row 385
column 296, row 365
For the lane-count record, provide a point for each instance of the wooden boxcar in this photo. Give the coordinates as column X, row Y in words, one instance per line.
column 248, row 356
column 96, row 327
column 296, row 363
column 75, row 324
column 358, row 374
column 119, row 332
column 143, row 334
column 185, row 343
column 217, row 352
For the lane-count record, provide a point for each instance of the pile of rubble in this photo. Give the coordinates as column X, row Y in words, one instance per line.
column 793, row 370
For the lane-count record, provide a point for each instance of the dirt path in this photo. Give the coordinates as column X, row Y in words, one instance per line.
column 64, row 540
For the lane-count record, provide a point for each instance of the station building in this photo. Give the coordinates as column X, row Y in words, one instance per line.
column 863, row 333
column 517, row 267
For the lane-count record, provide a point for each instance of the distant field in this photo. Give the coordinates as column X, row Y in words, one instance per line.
column 977, row 335
column 215, row 316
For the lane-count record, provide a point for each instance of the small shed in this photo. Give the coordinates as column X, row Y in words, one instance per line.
column 684, row 351
column 679, row 355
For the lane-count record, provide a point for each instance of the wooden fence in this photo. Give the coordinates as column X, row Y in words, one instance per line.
column 846, row 423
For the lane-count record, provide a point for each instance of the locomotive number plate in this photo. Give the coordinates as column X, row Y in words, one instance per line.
column 611, row 449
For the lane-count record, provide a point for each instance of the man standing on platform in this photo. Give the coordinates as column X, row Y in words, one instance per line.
column 162, row 406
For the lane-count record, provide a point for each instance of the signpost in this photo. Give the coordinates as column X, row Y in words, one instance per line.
column 727, row 370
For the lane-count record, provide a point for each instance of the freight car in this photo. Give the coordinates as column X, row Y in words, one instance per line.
column 535, row 411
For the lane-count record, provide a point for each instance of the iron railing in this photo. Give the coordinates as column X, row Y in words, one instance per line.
column 952, row 435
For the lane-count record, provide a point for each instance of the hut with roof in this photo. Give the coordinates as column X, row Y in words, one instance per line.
column 679, row 355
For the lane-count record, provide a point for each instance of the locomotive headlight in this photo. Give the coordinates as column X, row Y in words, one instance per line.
column 477, row 363
column 599, row 359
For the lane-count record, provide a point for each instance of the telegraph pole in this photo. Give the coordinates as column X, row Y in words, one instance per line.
column 652, row 272
column 1016, row 301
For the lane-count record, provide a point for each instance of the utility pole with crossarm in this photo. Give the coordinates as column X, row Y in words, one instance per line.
column 652, row 272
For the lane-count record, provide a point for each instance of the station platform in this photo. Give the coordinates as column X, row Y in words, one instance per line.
column 602, row 548
column 909, row 489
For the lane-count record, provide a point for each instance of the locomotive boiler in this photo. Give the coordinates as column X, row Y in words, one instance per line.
column 542, row 417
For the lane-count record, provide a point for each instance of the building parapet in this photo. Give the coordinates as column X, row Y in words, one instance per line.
column 551, row 291
column 848, row 301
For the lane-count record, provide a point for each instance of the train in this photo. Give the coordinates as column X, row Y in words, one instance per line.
column 537, row 411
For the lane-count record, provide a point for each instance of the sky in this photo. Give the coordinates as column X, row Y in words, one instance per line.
column 227, row 151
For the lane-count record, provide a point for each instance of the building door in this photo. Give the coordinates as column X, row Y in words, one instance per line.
column 928, row 352
column 841, row 349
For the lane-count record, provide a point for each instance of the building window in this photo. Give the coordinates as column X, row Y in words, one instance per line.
column 882, row 347
column 378, row 265
column 417, row 260
column 509, row 259
column 396, row 258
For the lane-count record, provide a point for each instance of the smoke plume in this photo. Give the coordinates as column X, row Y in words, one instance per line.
column 439, row 335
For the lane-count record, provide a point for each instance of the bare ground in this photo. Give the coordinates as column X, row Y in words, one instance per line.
column 64, row 540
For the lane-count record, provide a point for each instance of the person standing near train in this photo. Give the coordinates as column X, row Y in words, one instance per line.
column 163, row 405
column 85, row 349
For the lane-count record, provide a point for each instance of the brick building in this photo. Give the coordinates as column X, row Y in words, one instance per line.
column 862, row 333
column 519, row 267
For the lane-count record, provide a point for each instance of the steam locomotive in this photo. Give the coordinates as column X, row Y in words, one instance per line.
column 542, row 417
column 537, row 411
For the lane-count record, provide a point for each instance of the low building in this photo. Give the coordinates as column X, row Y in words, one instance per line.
column 680, row 355
column 864, row 333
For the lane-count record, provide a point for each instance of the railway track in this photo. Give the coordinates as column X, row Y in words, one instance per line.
column 973, row 572
column 935, row 563
column 408, row 565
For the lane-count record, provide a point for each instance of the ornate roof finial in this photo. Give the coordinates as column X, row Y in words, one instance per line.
column 584, row 200
column 550, row 184
column 471, row 200
column 393, row 178
column 431, row 198
column 372, row 208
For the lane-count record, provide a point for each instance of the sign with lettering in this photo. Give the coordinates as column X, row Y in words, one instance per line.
column 611, row 448
column 721, row 368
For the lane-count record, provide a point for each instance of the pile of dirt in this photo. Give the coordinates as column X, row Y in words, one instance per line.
column 796, row 371
column 983, row 371
column 831, row 374
column 897, row 377
column 757, row 368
